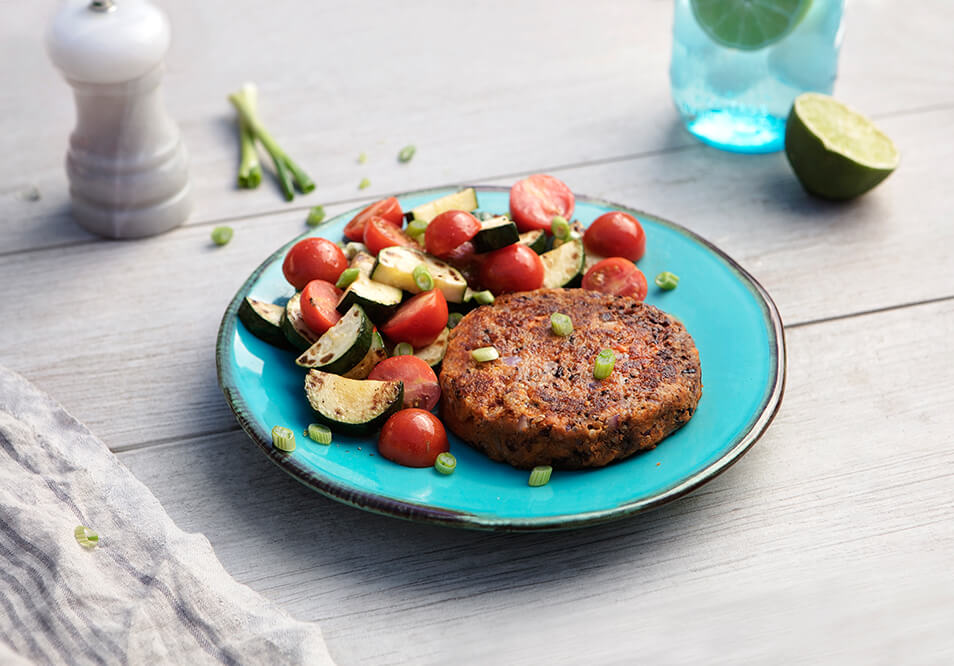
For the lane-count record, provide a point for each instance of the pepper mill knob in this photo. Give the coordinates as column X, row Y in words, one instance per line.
column 126, row 163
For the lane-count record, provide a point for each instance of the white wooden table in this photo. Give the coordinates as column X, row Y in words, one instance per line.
column 831, row 541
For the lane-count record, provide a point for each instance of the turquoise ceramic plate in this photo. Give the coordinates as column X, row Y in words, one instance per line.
column 733, row 321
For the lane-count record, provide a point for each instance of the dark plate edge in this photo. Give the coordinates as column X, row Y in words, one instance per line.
column 423, row 513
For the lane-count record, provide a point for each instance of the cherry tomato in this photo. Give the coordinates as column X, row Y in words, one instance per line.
column 418, row 321
column 413, row 438
column 512, row 268
column 535, row 200
column 421, row 389
column 379, row 234
column 449, row 230
column 313, row 259
column 318, row 302
column 616, row 234
column 388, row 208
column 617, row 276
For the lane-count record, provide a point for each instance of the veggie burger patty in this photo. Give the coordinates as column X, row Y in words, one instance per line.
column 539, row 404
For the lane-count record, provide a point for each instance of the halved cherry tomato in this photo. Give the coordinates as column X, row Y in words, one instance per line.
column 379, row 234
column 388, row 208
column 318, row 301
column 512, row 268
column 616, row 234
column 418, row 321
column 413, row 438
column 313, row 259
column 420, row 383
column 535, row 200
column 617, row 276
column 449, row 230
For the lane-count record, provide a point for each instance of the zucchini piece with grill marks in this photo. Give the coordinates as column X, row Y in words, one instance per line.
column 536, row 240
column 352, row 405
column 563, row 266
column 465, row 199
column 495, row 233
column 263, row 320
column 375, row 355
column 378, row 300
column 433, row 353
column 342, row 346
column 396, row 266
column 293, row 325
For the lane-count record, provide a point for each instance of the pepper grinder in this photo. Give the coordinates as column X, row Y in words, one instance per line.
column 126, row 163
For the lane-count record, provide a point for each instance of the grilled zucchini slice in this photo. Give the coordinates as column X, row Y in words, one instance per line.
column 463, row 200
column 536, row 240
column 396, row 266
column 563, row 266
column 378, row 300
column 495, row 233
column 375, row 355
column 293, row 325
column 264, row 321
column 352, row 405
column 342, row 346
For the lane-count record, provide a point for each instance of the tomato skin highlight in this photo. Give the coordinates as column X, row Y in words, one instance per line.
column 617, row 276
column 535, row 200
column 449, row 230
column 512, row 268
column 616, row 234
column 419, row 320
column 313, row 259
column 379, row 234
column 318, row 305
column 421, row 389
column 413, row 438
column 388, row 208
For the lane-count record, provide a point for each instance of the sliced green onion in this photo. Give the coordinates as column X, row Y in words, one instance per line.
column 446, row 463
column 365, row 183
column 403, row 349
column 222, row 235
column 484, row 354
column 319, row 433
column 416, row 228
column 561, row 324
column 86, row 537
column 453, row 319
column 667, row 281
column 560, row 228
column 315, row 216
column 605, row 361
column 283, row 438
column 484, row 297
column 362, row 158
column 407, row 152
column 422, row 278
column 540, row 475
column 347, row 276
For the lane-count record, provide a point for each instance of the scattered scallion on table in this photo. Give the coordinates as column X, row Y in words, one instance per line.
column 319, row 433
column 407, row 152
column 540, row 475
column 365, row 183
column 250, row 168
column 347, row 276
column 667, row 281
column 316, row 216
column 445, row 463
column 86, row 537
column 485, row 354
column 422, row 278
column 403, row 349
column 605, row 361
column 222, row 235
column 561, row 324
column 283, row 438
column 290, row 175
column 362, row 158
column 560, row 228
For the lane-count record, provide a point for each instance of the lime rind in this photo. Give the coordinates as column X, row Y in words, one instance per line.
column 846, row 131
column 748, row 24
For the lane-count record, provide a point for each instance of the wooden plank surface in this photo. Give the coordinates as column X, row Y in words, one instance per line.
column 839, row 518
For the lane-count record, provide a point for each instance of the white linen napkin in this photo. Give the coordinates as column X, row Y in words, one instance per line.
column 147, row 593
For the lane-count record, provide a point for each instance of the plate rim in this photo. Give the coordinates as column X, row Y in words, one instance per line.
column 383, row 505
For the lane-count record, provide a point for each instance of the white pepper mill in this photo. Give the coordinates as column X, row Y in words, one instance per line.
column 126, row 163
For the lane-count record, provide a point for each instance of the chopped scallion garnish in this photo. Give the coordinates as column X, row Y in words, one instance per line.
column 407, row 152
column 416, row 228
column 561, row 324
column 667, row 281
column 422, row 278
column 403, row 349
column 605, row 361
column 86, row 537
column 222, row 235
column 283, row 438
column 485, row 354
column 319, row 433
column 365, row 183
column 560, row 228
column 347, row 276
column 445, row 463
column 453, row 319
column 484, row 297
column 316, row 216
column 362, row 158
column 540, row 475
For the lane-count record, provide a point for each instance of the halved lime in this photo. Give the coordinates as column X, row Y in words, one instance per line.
column 748, row 24
column 835, row 151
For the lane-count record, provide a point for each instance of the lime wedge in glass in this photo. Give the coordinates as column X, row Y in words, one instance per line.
column 835, row 151
column 748, row 24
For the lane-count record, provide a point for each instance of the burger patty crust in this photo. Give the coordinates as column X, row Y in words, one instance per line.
column 539, row 404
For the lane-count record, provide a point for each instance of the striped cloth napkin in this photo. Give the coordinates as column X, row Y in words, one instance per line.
column 147, row 593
